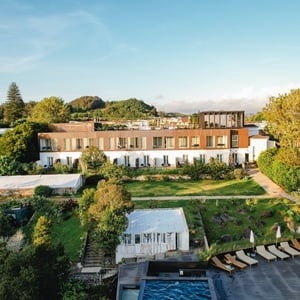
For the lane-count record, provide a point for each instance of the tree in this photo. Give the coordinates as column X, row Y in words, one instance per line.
column 108, row 214
column 7, row 224
column 50, row 110
column 92, row 159
column 14, row 106
column 110, row 171
column 283, row 116
column 41, row 234
column 84, row 203
column 33, row 273
column 20, row 143
column 9, row 166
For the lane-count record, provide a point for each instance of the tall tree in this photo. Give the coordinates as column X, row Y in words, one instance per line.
column 283, row 116
column 14, row 106
column 92, row 159
column 20, row 143
column 108, row 214
column 50, row 110
column 41, row 234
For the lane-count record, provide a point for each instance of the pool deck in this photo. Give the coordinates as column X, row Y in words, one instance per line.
column 267, row 280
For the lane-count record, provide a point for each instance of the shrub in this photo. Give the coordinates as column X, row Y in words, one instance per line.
column 43, row 190
column 238, row 173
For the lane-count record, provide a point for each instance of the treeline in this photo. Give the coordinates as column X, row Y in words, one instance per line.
column 55, row 110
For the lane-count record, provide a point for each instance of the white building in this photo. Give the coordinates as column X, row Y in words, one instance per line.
column 153, row 231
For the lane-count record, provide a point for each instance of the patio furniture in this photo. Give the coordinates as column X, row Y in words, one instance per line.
column 282, row 255
column 284, row 246
column 217, row 263
column 295, row 244
column 245, row 258
column 230, row 259
column 261, row 250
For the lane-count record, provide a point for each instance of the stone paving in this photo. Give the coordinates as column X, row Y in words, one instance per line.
column 277, row 280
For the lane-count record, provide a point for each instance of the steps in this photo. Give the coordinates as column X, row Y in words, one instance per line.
column 94, row 256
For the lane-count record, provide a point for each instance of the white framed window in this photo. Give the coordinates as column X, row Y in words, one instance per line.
column 157, row 142
column 209, row 141
column 183, row 142
column 101, row 144
column 121, row 142
column 133, row 142
column 234, row 141
column 146, row 161
column 202, row 158
column 67, row 144
column 221, row 141
column 169, row 142
column 50, row 161
column 127, row 160
column 144, row 142
column 220, row 157
column 195, row 141
column 111, row 143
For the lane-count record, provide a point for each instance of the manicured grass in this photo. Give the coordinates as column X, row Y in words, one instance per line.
column 189, row 188
column 69, row 233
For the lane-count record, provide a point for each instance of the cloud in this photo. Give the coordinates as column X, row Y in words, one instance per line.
column 17, row 64
column 33, row 37
column 248, row 99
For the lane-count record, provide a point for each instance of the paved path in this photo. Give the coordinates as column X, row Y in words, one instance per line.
column 272, row 191
column 270, row 187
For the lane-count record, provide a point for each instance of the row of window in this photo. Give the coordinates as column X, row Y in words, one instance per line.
column 135, row 143
column 145, row 161
column 146, row 238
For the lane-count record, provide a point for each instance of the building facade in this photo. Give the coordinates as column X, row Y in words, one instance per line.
column 218, row 135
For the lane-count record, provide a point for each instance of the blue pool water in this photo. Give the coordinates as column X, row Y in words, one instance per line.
column 175, row 289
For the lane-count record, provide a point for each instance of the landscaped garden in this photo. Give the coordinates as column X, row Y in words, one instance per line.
column 227, row 222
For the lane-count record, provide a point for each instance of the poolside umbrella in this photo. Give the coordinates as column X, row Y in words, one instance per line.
column 252, row 238
column 278, row 234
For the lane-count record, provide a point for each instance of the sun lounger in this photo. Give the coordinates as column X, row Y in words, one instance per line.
column 245, row 258
column 217, row 263
column 261, row 250
column 277, row 252
column 231, row 260
column 284, row 246
column 295, row 244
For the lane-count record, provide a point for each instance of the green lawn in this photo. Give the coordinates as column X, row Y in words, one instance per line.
column 193, row 188
column 69, row 233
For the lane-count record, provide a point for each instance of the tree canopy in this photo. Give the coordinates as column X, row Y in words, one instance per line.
column 86, row 103
column 50, row 110
column 20, row 143
column 33, row 273
column 14, row 105
column 283, row 116
column 92, row 159
column 41, row 234
column 104, row 212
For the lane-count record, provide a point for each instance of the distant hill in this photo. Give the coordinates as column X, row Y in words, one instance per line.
column 86, row 103
column 130, row 109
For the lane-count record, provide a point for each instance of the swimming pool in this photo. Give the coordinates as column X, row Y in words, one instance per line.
column 199, row 289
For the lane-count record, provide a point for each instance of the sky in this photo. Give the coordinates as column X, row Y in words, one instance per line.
column 180, row 56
